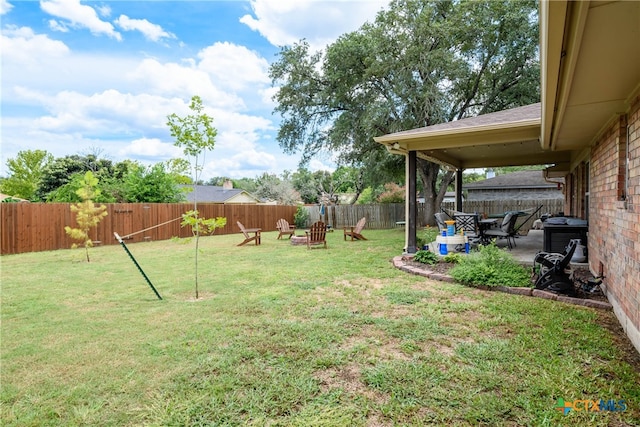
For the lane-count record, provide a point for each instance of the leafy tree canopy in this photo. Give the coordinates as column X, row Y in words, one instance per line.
column 152, row 185
column 25, row 173
column 421, row 62
column 271, row 187
column 62, row 169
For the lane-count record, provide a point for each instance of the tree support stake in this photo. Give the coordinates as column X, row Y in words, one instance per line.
column 136, row 263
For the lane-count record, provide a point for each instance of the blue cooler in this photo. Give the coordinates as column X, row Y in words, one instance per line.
column 443, row 249
column 451, row 229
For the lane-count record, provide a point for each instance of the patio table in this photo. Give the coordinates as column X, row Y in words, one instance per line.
column 484, row 225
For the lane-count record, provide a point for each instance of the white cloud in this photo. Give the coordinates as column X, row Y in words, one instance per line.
column 284, row 22
column 23, row 46
column 104, row 10
column 248, row 164
column 150, row 31
column 79, row 16
column 67, row 101
column 5, row 7
column 318, row 165
column 150, row 148
column 58, row 26
column 267, row 96
column 25, row 134
column 107, row 113
column 171, row 79
column 234, row 67
column 42, row 64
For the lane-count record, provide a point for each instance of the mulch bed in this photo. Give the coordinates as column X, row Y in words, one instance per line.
column 580, row 274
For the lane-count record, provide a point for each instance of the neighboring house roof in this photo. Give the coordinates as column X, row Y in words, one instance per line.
column 15, row 199
column 216, row 194
column 519, row 179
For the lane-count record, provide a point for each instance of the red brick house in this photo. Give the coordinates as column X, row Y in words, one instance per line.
column 587, row 126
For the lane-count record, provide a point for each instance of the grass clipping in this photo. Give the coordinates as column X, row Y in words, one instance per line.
column 490, row 266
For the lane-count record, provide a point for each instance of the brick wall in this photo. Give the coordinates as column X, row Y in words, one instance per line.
column 614, row 216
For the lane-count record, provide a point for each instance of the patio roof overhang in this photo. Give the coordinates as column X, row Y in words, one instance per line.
column 590, row 62
column 590, row 59
column 504, row 138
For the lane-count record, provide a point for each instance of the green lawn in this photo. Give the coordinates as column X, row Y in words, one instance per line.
column 287, row 336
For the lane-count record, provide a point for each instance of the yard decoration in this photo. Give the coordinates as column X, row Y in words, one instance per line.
column 88, row 215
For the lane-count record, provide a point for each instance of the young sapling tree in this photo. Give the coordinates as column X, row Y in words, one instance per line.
column 196, row 135
column 88, row 215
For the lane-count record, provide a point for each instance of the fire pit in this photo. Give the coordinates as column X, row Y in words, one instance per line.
column 298, row 240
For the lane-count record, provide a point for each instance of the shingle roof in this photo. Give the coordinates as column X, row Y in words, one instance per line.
column 214, row 194
column 14, row 198
column 513, row 115
column 520, row 179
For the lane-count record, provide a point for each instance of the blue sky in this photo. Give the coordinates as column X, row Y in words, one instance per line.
column 102, row 76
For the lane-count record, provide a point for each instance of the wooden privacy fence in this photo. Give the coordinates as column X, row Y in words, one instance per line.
column 34, row 227
column 378, row 216
column 493, row 207
column 383, row 216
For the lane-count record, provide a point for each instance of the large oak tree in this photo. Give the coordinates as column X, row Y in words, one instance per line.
column 421, row 62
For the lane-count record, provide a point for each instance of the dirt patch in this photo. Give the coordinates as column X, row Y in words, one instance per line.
column 439, row 267
column 349, row 379
column 376, row 342
column 628, row 351
column 202, row 296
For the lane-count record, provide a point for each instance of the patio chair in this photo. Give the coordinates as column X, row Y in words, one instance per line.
column 530, row 214
column 317, row 235
column 554, row 269
column 355, row 231
column 284, row 228
column 247, row 237
column 468, row 223
column 440, row 220
column 506, row 230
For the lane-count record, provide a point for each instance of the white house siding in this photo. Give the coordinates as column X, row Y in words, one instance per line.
column 241, row 198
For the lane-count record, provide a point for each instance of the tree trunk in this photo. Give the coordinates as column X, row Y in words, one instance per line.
column 433, row 196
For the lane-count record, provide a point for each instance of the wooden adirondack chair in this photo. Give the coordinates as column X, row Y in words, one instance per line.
column 316, row 235
column 355, row 232
column 247, row 237
column 284, row 228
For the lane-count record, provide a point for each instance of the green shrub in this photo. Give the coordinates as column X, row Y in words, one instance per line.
column 490, row 266
column 426, row 257
column 430, row 233
column 452, row 257
column 301, row 217
column 427, row 236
